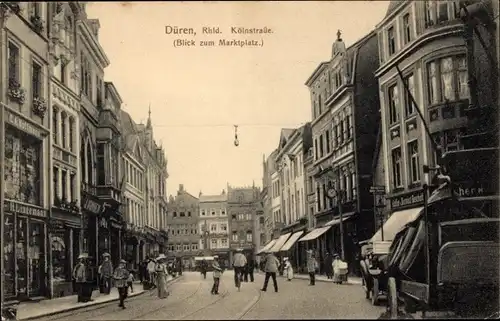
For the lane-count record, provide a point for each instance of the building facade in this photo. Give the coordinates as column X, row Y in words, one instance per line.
column 243, row 203
column 184, row 238
column 213, row 226
column 425, row 39
column 292, row 151
column 345, row 122
column 156, row 188
column 310, row 188
column 65, row 227
column 25, row 150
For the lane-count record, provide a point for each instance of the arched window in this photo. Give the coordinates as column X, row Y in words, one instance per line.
column 55, row 132
column 90, row 165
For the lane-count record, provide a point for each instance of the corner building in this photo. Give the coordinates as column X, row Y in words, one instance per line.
column 425, row 39
column 25, row 150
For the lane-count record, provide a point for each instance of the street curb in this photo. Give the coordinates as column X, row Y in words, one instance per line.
column 94, row 304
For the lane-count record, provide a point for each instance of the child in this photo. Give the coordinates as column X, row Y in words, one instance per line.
column 130, row 281
column 288, row 269
column 217, row 275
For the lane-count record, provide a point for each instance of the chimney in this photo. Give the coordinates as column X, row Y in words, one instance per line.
column 223, row 192
column 181, row 187
column 199, row 195
column 94, row 26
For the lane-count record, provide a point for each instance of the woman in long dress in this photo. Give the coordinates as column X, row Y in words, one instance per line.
column 161, row 275
column 288, row 269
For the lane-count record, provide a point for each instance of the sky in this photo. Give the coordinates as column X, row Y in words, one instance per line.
column 197, row 94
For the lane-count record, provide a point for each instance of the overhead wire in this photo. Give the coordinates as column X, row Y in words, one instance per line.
column 282, row 125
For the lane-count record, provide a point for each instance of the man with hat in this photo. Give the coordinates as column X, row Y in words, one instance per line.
column 121, row 276
column 105, row 273
column 239, row 263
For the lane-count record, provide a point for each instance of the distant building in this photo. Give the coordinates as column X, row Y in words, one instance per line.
column 183, row 214
column 243, row 204
column 213, row 226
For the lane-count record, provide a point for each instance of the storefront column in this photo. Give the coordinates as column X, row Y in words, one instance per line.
column 120, row 244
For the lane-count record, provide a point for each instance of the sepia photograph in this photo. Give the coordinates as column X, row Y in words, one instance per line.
column 249, row 160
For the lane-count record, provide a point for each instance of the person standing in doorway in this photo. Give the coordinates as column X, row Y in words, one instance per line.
column 271, row 268
column 312, row 266
column 105, row 274
column 121, row 277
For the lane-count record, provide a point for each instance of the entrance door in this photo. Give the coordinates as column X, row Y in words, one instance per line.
column 21, row 257
column 35, row 258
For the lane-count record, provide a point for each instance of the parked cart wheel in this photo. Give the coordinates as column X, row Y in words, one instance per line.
column 392, row 297
column 375, row 292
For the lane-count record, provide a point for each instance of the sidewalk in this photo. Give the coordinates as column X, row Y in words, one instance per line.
column 322, row 278
column 31, row 310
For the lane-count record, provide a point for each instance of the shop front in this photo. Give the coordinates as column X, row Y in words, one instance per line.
column 24, row 242
column 294, row 250
column 64, row 242
column 115, row 236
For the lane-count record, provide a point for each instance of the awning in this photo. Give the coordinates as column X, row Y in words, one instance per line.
column 336, row 221
column 395, row 222
column 279, row 243
column 267, row 246
column 314, row 234
column 292, row 240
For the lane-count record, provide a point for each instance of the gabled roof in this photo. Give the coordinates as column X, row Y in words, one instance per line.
column 285, row 134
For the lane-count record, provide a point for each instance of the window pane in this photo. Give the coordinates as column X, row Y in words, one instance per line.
column 433, row 83
column 447, row 78
column 462, row 79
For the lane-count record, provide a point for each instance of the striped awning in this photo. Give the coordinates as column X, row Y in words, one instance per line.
column 267, row 246
column 279, row 243
column 314, row 234
column 291, row 241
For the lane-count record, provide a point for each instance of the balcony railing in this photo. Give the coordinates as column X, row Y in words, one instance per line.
column 89, row 188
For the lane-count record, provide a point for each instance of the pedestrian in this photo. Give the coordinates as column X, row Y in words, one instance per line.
column 288, row 269
column 121, row 277
column 130, row 281
column 105, row 272
column 203, row 268
column 81, row 277
column 151, row 273
column 339, row 269
column 245, row 272
column 271, row 268
column 312, row 266
column 328, row 266
column 239, row 263
column 217, row 275
column 251, row 268
column 161, row 276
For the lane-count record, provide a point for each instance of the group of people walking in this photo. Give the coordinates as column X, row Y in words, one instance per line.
column 120, row 277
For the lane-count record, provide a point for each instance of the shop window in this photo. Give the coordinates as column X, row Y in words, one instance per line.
column 21, row 256
column 22, row 167
column 9, row 283
column 60, row 259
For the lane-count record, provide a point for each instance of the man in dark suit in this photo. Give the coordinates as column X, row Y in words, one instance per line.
column 250, row 267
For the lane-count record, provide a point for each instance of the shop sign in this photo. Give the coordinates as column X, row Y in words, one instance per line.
column 24, row 125
column 406, row 200
column 25, row 209
column 472, row 190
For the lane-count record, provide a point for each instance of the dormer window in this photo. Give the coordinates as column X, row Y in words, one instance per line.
column 391, row 40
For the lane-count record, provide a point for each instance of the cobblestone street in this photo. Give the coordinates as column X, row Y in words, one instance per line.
column 190, row 299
